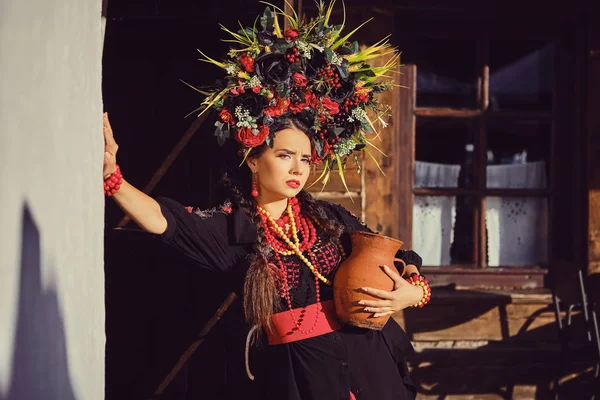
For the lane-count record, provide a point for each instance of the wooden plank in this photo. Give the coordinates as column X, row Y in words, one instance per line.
column 335, row 184
column 480, row 177
column 519, row 271
column 485, row 88
column 525, row 322
column 405, row 153
column 288, row 7
column 594, row 226
column 446, row 112
column 482, row 192
column 379, row 184
column 496, row 280
column 522, row 115
column 593, row 155
column 479, row 217
column 507, row 278
column 482, row 315
column 353, row 205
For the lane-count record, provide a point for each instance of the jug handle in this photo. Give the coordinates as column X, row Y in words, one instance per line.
column 403, row 266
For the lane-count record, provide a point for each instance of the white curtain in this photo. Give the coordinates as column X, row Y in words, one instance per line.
column 517, row 226
column 433, row 216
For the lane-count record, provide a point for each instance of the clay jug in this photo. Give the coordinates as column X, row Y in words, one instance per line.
column 363, row 269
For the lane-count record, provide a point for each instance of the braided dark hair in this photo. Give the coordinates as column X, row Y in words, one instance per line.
column 261, row 298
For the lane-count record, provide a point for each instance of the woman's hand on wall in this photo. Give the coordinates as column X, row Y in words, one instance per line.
column 110, row 148
column 143, row 209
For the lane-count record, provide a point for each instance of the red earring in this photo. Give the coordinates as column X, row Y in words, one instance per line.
column 254, row 185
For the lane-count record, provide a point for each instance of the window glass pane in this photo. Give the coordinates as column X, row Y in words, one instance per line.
column 518, row 153
column 446, row 73
column 444, row 152
column 521, row 75
column 443, row 229
column 517, row 231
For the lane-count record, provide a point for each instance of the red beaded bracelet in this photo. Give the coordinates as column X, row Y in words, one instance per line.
column 420, row 280
column 113, row 182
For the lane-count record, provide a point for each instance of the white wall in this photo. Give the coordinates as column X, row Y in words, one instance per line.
column 51, row 200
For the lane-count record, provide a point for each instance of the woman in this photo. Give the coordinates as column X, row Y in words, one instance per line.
column 281, row 245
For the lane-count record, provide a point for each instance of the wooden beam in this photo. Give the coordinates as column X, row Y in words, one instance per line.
column 404, row 148
column 473, row 276
column 482, row 192
column 171, row 157
column 593, row 146
column 446, row 112
column 289, row 6
column 379, row 174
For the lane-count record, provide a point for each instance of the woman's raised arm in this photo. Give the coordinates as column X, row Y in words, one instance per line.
column 143, row 209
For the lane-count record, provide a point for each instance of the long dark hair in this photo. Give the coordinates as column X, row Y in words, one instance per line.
column 261, row 298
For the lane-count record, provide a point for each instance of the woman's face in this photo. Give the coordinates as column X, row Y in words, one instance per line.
column 283, row 170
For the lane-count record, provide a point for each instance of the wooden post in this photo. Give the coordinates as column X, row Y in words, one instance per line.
column 404, row 149
column 380, row 195
column 593, row 139
column 289, row 6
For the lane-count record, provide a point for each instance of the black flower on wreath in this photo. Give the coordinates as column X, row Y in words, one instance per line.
column 349, row 129
column 307, row 117
column 297, row 96
column 314, row 64
column 254, row 103
column 272, row 68
column 266, row 38
column 342, row 93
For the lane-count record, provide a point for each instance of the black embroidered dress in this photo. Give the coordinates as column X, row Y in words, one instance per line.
column 370, row 364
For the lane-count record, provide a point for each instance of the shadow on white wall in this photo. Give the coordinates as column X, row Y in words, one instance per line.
column 39, row 364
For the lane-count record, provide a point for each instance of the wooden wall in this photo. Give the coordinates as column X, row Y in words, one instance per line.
column 372, row 192
column 593, row 156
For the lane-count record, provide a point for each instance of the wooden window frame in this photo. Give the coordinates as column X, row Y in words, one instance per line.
column 478, row 274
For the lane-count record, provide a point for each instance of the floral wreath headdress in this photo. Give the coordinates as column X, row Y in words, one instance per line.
column 309, row 71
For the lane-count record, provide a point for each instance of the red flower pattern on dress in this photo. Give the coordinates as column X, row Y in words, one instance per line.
column 326, row 258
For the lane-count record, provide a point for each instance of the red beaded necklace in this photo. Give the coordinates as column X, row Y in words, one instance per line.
column 295, row 245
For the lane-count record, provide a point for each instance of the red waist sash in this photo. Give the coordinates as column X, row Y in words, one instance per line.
column 285, row 330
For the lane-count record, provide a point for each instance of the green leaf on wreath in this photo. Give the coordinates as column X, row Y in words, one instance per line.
column 283, row 90
column 319, row 148
column 267, row 20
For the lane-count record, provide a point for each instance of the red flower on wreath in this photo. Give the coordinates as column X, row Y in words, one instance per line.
column 315, row 159
column 331, row 106
column 247, row 62
column 310, row 100
column 300, row 80
column 246, row 138
column 279, row 108
column 326, row 148
column 291, row 34
column 226, row 116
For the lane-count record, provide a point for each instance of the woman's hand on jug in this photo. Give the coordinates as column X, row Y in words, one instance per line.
column 402, row 296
